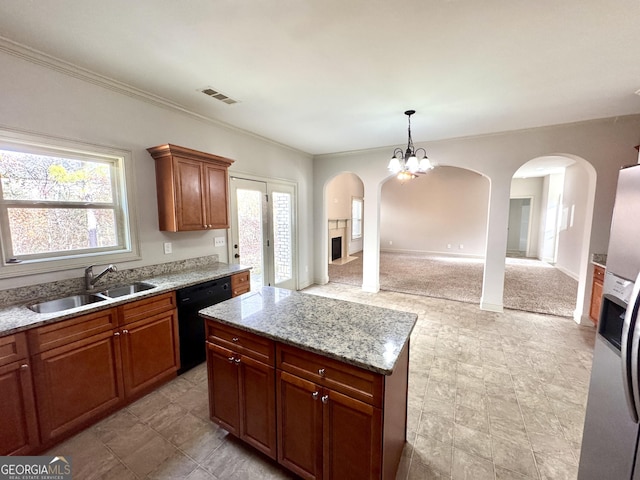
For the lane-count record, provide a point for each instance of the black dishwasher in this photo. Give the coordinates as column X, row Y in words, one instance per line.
column 191, row 326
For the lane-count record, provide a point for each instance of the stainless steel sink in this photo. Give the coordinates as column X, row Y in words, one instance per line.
column 65, row 303
column 127, row 289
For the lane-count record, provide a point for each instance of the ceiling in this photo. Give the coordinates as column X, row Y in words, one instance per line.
column 334, row 75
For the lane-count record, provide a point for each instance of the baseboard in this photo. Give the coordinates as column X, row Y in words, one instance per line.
column 432, row 254
column 568, row 273
column 491, row 307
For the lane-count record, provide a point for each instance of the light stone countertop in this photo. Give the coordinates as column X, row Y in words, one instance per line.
column 361, row 335
column 17, row 318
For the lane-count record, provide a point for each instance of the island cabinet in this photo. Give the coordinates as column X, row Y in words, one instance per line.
column 91, row 365
column 192, row 189
column 596, row 293
column 19, row 432
column 330, row 419
column 242, row 385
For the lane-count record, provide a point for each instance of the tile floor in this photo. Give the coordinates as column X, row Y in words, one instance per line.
column 491, row 396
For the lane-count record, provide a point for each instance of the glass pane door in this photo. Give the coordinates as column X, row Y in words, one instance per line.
column 282, row 214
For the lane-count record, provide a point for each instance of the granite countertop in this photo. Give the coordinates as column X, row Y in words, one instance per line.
column 361, row 335
column 599, row 259
column 17, row 318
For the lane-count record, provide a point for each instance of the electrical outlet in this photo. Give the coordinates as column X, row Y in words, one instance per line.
column 461, row 246
column 390, row 242
column 448, row 245
column 219, row 241
column 167, row 248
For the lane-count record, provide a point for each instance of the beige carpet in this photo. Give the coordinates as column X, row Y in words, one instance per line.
column 530, row 285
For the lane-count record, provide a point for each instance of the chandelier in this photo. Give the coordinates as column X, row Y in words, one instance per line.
column 406, row 165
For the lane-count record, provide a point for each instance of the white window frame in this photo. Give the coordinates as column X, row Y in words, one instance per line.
column 356, row 221
column 122, row 184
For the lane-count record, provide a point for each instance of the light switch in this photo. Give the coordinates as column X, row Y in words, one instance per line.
column 167, row 248
column 219, row 241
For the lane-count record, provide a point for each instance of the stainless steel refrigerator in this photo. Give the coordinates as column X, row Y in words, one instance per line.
column 611, row 430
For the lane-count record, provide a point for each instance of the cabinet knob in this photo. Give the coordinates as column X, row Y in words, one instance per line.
column 234, row 339
column 125, row 331
column 237, row 360
column 24, row 366
column 315, row 395
column 116, row 334
column 321, row 372
column 231, row 359
column 325, row 399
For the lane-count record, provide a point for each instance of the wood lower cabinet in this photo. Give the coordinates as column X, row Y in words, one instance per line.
column 596, row 293
column 192, row 189
column 76, row 372
column 149, row 343
column 240, row 283
column 89, row 366
column 242, row 386
column 334, row 420
column 19, row 432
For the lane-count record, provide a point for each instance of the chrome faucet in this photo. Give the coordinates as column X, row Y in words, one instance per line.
column 90, row 279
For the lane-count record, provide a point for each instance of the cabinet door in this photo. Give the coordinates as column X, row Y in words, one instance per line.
column 216, row 196
column 596, row 300
column 19, row 432
column 77, row 383
column 258, row 405
column 224, row 388
column 352, row 446
column 150, row 352
column 190, row 206
column 299, row 426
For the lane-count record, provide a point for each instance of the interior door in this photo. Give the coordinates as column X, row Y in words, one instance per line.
column 263, row 231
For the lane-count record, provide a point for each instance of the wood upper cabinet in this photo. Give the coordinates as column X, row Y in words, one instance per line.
column 149, row 343
column 19, row 432
column 596, row 293
column 242, row 385
column 77, row 378
column 192, row 189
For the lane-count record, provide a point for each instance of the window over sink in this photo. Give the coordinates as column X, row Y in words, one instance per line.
column 63, row 204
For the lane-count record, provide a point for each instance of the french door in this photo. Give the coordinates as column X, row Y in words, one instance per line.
column 263, row 231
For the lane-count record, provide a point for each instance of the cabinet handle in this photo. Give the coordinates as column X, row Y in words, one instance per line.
column 321, row 372
column 116, row 334
column 315, row 395
column 325, row 399
column 237, row 360
column 24, row 366
column 234, row 339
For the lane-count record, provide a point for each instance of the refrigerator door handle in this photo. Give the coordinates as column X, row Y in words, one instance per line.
column 629, row 352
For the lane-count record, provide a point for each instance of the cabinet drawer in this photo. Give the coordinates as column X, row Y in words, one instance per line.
column 240, row 283
column 245, row 343
column 598, row 273
column 353, row 381
column 13, row 348
column 131, row 312
column 67, row 331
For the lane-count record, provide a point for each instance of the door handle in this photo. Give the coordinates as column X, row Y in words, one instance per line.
column 237, row 255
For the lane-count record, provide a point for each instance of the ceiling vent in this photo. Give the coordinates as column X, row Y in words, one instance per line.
column 218, row 96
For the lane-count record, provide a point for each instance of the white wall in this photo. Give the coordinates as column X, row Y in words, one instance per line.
column 340, row 191
column 429, row 215
column 604, row 144
column 525, row 188
column 42, row 100
column 573, row 215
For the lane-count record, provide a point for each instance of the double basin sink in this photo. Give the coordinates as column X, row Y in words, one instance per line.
column 74, row 301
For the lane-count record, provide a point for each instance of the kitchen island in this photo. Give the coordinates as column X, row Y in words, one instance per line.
column 318, row 384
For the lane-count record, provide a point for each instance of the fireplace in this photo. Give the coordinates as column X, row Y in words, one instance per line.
column 336, row 248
